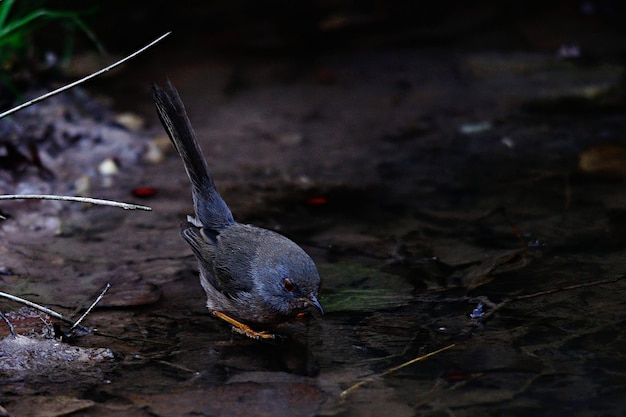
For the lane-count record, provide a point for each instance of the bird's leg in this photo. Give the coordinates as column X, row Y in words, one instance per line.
column 244, row 329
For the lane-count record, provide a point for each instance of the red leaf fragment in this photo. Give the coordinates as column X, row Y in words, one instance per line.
column 144, row 192
column 316, row 201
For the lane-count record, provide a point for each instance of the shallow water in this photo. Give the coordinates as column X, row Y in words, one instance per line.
column 415, row 210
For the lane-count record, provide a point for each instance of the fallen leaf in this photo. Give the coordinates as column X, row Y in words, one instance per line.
column 603, row 159
column 356, row 288
column 504, row 262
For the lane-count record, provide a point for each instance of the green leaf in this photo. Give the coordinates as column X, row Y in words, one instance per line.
column 352, row 287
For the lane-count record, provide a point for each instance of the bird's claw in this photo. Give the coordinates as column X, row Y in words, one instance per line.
column 253, row 334
column 245, row 330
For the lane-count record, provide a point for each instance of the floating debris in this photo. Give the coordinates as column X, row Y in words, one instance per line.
column 477, row 312
column 474, row 128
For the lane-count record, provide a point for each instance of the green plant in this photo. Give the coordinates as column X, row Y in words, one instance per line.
column 18, row 21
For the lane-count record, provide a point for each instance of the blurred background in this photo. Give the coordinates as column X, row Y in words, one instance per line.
column 304, row 29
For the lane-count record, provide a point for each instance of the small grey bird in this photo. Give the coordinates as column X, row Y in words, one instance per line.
column 250, row 275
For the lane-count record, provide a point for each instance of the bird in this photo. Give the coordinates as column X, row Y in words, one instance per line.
column 251, row 275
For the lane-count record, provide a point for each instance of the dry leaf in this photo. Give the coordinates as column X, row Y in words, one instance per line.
column 604, row 159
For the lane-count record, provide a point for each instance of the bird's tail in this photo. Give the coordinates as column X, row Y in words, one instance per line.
column 211, row 210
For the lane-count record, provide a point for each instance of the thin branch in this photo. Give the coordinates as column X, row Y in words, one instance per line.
column 82, row 80
column 568, row 288
column 359, row 384
column 497, row 307
column 8, row 323
column 125, row 206
column 97, row 300
column 36, row 307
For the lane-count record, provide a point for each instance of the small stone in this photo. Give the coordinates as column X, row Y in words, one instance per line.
column 82, row 185
column 153, row 154
column 108, row 167
column 130, row 121
column 291, row 138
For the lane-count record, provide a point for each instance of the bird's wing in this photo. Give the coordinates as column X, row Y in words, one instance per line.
column 201, row 240
column 227, row 260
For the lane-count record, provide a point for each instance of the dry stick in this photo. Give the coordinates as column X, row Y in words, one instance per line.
column 125, row 206
column 506, row 301
column 54, row 313
column 97, row 300
column 359, row 384
column 8, row 323
column 82, row 80
column 569, row 287
column 37, row 307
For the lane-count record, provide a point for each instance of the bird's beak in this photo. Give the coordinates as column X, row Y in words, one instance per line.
column 312, row 301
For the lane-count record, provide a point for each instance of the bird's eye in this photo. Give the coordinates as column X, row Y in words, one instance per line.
column 289, row 286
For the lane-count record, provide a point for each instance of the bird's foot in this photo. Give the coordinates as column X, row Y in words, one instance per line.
column 244, row 329
column 254, row 334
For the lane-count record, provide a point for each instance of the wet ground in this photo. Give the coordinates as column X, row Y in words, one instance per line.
column 471, row 201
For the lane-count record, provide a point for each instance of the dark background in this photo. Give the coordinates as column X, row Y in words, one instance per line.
column 305, row 28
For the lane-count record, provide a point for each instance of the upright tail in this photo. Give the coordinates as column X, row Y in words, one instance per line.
column 211, row 210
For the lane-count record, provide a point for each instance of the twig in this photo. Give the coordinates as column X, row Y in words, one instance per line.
column 97, row 300
column 178, row 366
column 359, row 384
column 568, row 288
column 496, row 307
column 125, row 206
column 82, row 80
column 8, row 323
column 37, row 307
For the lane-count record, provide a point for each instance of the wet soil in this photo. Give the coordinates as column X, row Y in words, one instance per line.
column 443, row 198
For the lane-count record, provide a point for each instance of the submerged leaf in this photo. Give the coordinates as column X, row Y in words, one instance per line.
column 507, row 261
column 356, row 288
